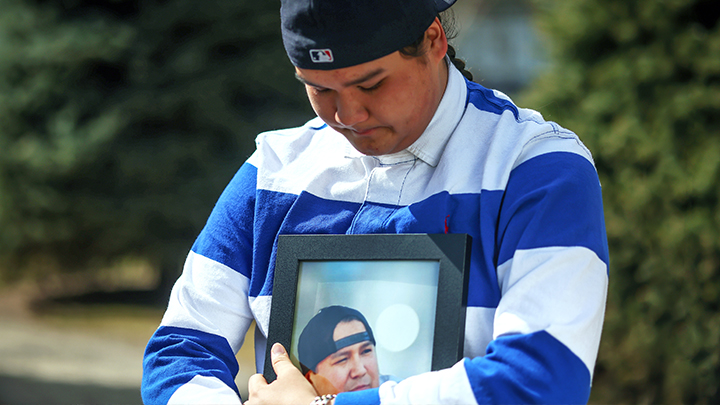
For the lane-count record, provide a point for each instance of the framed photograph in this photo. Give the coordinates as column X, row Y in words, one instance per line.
column 354, row 311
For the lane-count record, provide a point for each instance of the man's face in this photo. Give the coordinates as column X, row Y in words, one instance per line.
column 384, row 105
column 354, row 367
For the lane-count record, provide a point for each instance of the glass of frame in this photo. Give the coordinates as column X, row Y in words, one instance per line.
column 410, row 289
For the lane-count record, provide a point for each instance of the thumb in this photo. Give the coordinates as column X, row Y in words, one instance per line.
column 280, row 361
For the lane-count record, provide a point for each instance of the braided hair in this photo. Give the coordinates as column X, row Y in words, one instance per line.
column 459, row 63
column 417, row 48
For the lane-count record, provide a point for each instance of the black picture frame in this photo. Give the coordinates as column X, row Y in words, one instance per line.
column 451, row 252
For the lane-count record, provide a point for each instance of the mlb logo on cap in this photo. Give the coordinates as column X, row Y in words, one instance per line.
column 321, row 55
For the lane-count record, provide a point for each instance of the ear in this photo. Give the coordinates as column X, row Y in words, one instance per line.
column 438, row 43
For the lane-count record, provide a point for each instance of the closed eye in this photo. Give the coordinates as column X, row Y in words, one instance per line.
column 339, row 361
column 319, row 89
column 371, row 88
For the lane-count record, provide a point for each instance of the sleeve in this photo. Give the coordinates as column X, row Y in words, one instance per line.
column 191, row 357
column 552, row 272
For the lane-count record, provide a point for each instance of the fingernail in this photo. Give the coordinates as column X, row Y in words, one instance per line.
column 277, row 349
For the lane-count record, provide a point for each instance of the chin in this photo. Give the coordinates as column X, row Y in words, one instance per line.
column 371, row 150
column 368, row 147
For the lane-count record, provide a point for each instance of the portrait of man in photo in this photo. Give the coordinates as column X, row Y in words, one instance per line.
column 336, row 350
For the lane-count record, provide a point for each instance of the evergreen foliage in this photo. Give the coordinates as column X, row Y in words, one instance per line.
column 639, row 81
column 121, row 121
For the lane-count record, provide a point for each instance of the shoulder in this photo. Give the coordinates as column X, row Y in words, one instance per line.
column 523, row 132
column 284, row 142
column 289, row 160
column 281, row 147
column 495, row 136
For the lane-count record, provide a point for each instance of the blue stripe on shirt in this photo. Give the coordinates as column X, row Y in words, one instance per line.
column 552, row 200
column 485, row 99
column 229, row 228
column 281, row 213
column 365, row 397
column 554, row 179
column 175, row 355
column 550, row 372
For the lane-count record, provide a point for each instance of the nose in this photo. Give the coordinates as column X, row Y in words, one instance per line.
column 349, row 111
column 358, row 369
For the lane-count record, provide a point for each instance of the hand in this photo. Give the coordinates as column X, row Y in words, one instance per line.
column 290, row 387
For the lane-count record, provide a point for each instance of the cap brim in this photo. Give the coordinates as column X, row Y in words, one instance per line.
column 442, row 5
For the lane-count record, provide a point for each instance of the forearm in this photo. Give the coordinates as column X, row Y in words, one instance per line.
column 546, row 336
column 187, row 366
column 533, row 368
column 193, row 352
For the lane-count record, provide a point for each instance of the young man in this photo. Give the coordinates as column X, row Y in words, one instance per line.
column 402, row 144
column 336, row 350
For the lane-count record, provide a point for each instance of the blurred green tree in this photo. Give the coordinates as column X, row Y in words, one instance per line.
column 639, row 81
column 122, row 120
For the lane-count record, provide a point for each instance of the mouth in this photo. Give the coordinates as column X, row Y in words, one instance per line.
column 365, row 132
column 357, row 132
column 361, row 387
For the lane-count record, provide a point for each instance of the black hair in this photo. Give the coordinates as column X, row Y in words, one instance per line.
column 417, row 48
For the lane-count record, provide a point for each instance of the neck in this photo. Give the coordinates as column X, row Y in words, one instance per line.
column 444, row 72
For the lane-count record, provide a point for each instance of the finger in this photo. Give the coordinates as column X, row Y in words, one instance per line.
column 280, row 361
column 256, row 382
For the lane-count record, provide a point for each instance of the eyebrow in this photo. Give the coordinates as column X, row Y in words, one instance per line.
column 339, row 353
column 359, row 80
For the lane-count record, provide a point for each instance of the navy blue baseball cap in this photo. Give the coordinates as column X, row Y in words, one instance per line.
column 333, row 34
column 316, row 340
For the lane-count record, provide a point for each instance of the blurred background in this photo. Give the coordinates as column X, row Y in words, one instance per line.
column 122, row 120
